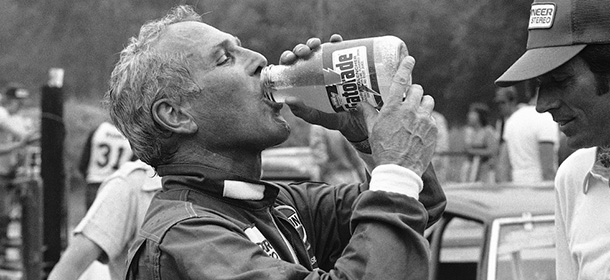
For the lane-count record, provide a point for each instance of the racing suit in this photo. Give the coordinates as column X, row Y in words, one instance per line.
column 209, row 224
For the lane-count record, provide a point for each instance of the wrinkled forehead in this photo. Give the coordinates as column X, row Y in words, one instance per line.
column 190, row 37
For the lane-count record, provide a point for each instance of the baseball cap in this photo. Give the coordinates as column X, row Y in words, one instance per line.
column 16, row 92
column 558, row 31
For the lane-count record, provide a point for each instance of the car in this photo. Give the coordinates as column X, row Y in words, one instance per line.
column 494, row 232
column 487, row 232
column 287, row 164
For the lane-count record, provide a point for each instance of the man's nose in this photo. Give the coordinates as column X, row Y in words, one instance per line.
column 256, row 62
column 546, row 101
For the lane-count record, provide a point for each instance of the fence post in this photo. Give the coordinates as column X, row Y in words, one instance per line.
column 52, row 169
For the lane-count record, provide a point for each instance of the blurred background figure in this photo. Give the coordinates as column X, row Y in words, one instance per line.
column 15, row 128
column 506, row 99
column 104, row 152
column 532, row 140
column 440, row 161
column 336, row 161
column 15, row 132
column 481, row 144
column 110, row 226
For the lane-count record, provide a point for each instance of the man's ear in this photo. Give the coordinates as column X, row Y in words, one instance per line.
column 173, row 117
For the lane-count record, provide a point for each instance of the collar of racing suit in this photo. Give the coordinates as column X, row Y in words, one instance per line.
column 218, row 183
column 246, row 194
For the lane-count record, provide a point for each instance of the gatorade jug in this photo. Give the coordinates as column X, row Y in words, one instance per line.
column 338, row 76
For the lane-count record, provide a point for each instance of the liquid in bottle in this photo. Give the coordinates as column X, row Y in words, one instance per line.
column 338, row 76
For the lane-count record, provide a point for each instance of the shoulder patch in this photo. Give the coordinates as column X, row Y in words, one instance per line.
column 259, row 239
column 295, row 221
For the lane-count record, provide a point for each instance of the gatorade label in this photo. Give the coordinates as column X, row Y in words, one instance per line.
column 350, row 75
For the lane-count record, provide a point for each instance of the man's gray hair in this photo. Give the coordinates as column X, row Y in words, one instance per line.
column 143, row 76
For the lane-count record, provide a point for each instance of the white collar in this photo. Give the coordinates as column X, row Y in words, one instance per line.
column 598, row 171
column 243, row 190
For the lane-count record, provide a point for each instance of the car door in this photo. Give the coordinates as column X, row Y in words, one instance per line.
column 457, row 246
column 522, row 248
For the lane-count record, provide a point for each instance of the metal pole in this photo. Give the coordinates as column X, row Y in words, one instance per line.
column 52, row 169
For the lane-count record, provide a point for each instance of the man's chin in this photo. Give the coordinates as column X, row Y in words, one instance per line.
column 284, row 134
column 278, row 136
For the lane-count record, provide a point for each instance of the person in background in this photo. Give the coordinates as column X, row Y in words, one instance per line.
column 189, row 99
column 506, row 99
column 15, row 129
column 15, row 132
column 337, row 162
column 110, row 225
column 481, row 143
column 568, row 53
column 104, row 152
column 532, row 140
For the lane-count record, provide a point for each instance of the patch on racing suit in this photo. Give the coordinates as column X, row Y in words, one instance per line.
column 257, row 237
column 295, row 221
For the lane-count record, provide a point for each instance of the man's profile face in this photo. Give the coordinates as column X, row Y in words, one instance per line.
column 231, row 110
column 570, row 94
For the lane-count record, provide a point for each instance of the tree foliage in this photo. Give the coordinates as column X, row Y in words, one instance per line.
column 460, row 46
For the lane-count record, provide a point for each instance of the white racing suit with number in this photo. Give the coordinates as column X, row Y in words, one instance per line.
column 208, row 224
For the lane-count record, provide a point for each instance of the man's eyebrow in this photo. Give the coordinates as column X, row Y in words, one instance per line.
column 224, row 44
column 218, row 49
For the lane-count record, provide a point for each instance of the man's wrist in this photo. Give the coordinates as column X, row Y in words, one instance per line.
column 397, row 179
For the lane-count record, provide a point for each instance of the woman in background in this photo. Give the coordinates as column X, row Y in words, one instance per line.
column 481, row 144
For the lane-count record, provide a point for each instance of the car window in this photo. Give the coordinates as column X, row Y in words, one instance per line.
column 523, row 249
column 287, row 164
column 460, row 249
column 462, row 241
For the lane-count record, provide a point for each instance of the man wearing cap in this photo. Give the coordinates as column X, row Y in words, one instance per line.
column 12, row 125
column 14, row 133
column 568, row 53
